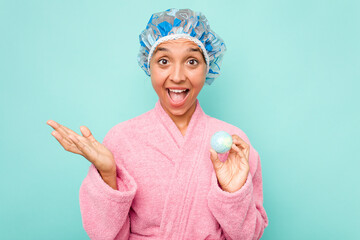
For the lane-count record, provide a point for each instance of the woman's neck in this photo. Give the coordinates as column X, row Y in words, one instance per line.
column 182, row 121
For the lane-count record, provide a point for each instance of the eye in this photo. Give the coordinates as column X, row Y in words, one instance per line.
column 163, row 61
column 193, row 61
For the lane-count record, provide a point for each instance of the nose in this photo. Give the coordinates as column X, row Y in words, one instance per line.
column 177, row 74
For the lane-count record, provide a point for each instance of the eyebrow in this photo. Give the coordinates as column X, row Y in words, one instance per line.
column 167, row 50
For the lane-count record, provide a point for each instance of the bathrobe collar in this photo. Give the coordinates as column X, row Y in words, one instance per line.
column 189, row 152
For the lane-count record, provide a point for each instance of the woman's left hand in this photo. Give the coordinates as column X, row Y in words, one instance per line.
column 232, row 173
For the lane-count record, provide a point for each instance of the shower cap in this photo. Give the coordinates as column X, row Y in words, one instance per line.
column 182, row 23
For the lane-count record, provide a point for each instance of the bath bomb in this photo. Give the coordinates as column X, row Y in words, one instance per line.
column 221, row 142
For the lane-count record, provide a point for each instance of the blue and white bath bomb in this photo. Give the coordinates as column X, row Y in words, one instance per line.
column 221, row 142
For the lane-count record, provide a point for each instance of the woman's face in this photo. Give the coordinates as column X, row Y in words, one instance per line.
column 178, row 73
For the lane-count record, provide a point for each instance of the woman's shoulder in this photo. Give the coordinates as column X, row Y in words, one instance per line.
column 132, row 126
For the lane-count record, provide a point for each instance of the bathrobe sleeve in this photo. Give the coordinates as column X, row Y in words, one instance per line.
column 241, row 214
column 105, row 211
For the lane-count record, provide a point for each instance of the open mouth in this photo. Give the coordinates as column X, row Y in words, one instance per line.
column 178, row 96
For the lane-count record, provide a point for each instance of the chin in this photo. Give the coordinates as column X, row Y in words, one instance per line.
column 181, row 110
column 178, row 112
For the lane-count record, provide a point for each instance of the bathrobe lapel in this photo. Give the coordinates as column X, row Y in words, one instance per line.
column 186, row 158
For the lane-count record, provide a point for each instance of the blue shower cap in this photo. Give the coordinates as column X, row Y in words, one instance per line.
column 182, row 23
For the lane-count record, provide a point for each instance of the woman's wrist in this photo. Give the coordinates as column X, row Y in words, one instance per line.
column 109, row 178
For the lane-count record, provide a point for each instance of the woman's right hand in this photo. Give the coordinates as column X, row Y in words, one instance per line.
column 85, row 145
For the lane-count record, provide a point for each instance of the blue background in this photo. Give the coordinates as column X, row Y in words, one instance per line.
column 290, row 81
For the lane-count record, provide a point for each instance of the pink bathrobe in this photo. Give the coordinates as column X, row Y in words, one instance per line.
column 167, row 187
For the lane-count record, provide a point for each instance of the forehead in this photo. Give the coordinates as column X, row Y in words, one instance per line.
column 177, row 43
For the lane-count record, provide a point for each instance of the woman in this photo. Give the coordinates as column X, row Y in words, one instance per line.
column 155, row 176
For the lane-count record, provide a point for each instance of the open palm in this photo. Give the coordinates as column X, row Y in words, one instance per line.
column 85, row 145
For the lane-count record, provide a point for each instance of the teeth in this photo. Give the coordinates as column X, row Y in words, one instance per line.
column 177, row 91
